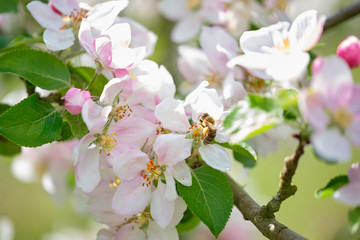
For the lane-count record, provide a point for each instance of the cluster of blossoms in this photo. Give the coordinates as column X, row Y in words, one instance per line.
column 142, row 140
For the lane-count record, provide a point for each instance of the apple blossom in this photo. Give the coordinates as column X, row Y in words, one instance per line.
column 349, row 50
column 62, row 18
column 75, row 99
column 330, row 106
column 279, row 51
column 350, row 193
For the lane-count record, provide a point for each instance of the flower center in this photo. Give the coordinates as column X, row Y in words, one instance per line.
column 123, row 111
column 160, row 129
column 204, row 129
column 74, row 18
column 152, row 173
column 115, row 183
column 283, row 46
column 107, row 142
column 343, row 116
column 192, row 4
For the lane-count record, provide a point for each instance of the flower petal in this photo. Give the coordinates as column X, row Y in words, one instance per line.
column 86, row 38
column 94, row 115
column 216, row 157
column 130, row 231
column 181, row 172
column 354, row 172
column 331, row 145
column 349, row 194
column 57, row 40
column 155, row 232
column 172, row 148
column 44, row 15
column 65, row 6
column 172, row 116
column 353, row 132
column 186, row 28
column 180, row 207
column 170, row 191
column 133, row 195
column 114, row 87
column 161, row 208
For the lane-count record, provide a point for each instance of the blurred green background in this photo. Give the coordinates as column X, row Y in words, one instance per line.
column 34, row 214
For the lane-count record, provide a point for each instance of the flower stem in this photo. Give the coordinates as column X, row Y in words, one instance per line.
column 96, row 74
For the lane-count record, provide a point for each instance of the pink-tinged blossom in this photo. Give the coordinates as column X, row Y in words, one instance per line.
column 350, row 193
column 331, row 106
column 279, row 51
column 75, row 99
column 316, row 65
column 349, row 50
column 108, row 47
column 190, row 16
column 62, row 18
column 137, row 173
column 209, row 63
column 173, row 115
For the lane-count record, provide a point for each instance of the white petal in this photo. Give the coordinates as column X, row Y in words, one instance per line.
column 57, row 40
column 186, row 29
column 86, row 38
column 170, row 192
column 181, row 172
column 113, row 88
column 172, row 116
column 216, row 157
column 122, row 39
column 155, row 232
column 122, row 57
column 130, row 231
column 161, row 208
column 65, row 6
column 180, row 207
column 331, row 146
column 174, row 9
column 306, row 30
column 94, row 115
column 104, row 14
column 44, row 15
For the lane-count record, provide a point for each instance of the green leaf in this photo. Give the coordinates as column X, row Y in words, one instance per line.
column 231, row 117
column 243, row 151
column 262, row 129
column 40, row 68
column 77, row 125
column 81, row 77
column 4, row 107
column 188, row 222
column 265, row 103
column 31, row 123
column 332, row 186
column 288, row 101
column 8, row 148
column 8, row 6
column 354, row 219
column 209, row 197
column 66, row 133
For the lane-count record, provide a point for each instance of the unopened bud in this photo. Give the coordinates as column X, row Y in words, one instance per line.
column 349, row 50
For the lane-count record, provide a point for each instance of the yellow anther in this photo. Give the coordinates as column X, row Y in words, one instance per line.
column 343, row 116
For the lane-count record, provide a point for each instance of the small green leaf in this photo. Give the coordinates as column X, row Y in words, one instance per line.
column 77, row 125
column 242, row 150
column 332, row 186
column 31, row 123
column 354, row 219
column 288, row 101
column 40, row 68
column 66, row 133
column 209, row 197
column 81, row 77
column 260, row 130
column 231, row 117
column 188, row 222
column 265, row 103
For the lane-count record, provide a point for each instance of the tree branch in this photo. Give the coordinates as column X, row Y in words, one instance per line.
column 286, row 188
column 342, row 15
column 251, row 211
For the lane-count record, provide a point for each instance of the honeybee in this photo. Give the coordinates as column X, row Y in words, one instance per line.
column 209, row 130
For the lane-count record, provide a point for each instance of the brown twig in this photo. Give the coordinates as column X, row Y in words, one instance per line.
column 342, row 15
column 251, row 211
column 286, row 188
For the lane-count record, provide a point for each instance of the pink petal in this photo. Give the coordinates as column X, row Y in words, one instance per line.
column 354, row 172
column 216, row 157
column 186, row 28
column 44, row 15
column 349, row 194
column 86, row 38
column 103, row 48
column 172, row 148
column 349, row 50
column 103, row 15
column 331, row 145
column 353, row 103
column 87, row 173
column 353, row 132
column 114, row 87
column 172, row 116
column 181, row 172
column 132, row 130
column 65, row 6
column 133, row 195
column 161, row 208
column 155, row 232
column 94, row 115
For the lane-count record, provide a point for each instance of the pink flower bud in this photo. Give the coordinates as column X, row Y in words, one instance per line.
column 316, row 65
column 349, row 50
column 75, row 99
